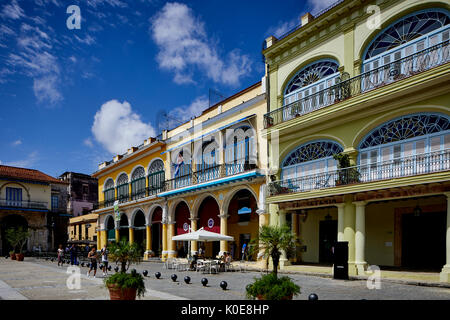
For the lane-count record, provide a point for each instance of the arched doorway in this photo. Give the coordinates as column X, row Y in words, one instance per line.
column 243, row 221
column 182, row 214
column 139, row 230
column 156, row 229
column 123, row 227
column 11, row 221
column 208, row 214
column 110, row 229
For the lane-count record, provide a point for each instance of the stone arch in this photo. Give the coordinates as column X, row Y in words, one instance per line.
column 198, row 201
column 396, row 16
column 209, row 208
column 120, row 175
column 17, row 183
column 133, row 215
column 232, row 192
column 134, row 169
column 305, row 63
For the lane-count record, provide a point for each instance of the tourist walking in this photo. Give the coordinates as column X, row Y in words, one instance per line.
column 92, row 256
column 60, row 255
column 73, row 255
column 104, row 253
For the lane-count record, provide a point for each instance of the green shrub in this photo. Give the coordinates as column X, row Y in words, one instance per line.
column 127, row 280
column 271, row 287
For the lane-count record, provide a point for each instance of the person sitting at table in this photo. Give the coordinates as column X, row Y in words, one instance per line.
column 193, row 265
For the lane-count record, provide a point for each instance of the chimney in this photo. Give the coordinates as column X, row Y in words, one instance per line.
column 307, row 18
column 149, row 140
column 132, row 149
column 270, row 41
column 117, row 158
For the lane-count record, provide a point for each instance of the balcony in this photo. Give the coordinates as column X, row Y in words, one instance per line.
column 139, row 194
column 208, row 174
column 23, row 204
column 365, row 82
column 397, row 168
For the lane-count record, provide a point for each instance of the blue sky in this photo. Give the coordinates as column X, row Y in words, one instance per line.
column 72, row 98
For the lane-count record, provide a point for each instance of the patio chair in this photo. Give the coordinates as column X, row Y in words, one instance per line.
column 200, row 266
column 229, row 266
column 214, row 266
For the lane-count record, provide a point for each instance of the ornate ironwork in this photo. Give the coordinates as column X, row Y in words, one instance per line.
column 371, row 80
column 312, row 73
column 312, row 151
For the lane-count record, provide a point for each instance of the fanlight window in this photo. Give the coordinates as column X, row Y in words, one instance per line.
column 407, row 29
column 405, row 128
column 138, row 173
column 122, row 179
column 138, row 183
column 156, row 177
column 109, row 184
column 312, row 73
column 109, row 192
column 156, row 166
column 312, row 151
column 122, row 188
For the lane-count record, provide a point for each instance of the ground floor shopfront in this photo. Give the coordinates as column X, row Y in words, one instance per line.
column 236, row 210
column 402, row 228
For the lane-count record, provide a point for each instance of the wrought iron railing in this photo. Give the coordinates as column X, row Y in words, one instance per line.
column 391, row 169
column 208, row 174
column 367, row 81
column 23, row 204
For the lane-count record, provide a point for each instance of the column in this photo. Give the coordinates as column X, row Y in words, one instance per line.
column 165, row 220
column 171, row 232
column 104, row 237
column 340, row 207
column 148, row 241
column 223, row 230
column 295, row 232
column 445, row 273
column 117, row 234
column 99, row 239
column 349, row 232
column 360, row 228
column 194, row 244
column 281, row 222
column 131, row 235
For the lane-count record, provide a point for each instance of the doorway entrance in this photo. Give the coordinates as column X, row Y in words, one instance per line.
column 423, row 240
column 327, row 239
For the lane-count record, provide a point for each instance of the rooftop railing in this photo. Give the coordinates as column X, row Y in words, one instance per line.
column 365, row 82
column 397, row 168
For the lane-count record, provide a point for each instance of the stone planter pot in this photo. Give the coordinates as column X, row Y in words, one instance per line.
column 121, row 294
column 19, row 256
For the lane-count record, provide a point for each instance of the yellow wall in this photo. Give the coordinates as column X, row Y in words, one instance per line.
column 30, row 191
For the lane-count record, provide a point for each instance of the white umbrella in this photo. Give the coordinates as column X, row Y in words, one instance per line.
column 202, row 235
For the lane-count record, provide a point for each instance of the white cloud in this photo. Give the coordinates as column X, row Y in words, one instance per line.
column 184, row 113
column 12, row 11
column 113, row 3
column 45, row 89
column 283, row 27
column 88, row 142
column 184, row 47
column 116, row 127
column 318, row 5
column 28, row 162
column 87, row 40
column 16, row 143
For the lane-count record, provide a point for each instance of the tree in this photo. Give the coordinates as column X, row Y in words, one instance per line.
column 273, row 240
column 17, row 237
column 125, row 253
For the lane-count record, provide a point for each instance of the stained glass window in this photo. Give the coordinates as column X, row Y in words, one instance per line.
column 312, row 151
column 408, row 28
column 312, row 73
column 405, row 128
column 156, row 166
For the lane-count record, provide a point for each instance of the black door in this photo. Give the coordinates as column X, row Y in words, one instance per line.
column 423, row 240
column 327, row 238
column 156, row 238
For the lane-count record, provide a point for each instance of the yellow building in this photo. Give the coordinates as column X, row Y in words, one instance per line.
column 215, row 175
column 83, row 229
column 368, row 81
column 131, row 183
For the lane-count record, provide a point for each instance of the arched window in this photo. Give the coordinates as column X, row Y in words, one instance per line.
column 411, row 36
column 138, row 183
column 309, row 164
column 312, row 78
column 108, row 192
column 156, row 177
column 410, row 144
column 240, row 150
column 207, row 162
column 122, row 188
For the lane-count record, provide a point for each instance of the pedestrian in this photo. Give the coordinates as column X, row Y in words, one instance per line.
column 93, row 258
column 104, row 253
column 244, row 250
column 60, row 254
column 87, row 249
column 73, row 254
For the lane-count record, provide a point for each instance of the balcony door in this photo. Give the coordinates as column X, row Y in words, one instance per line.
column 13, row 197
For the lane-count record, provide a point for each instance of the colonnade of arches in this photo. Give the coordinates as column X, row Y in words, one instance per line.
column 234, row 214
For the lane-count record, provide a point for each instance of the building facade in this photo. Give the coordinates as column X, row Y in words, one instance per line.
column 83, row 196
column 359, row 131
column 35, row 201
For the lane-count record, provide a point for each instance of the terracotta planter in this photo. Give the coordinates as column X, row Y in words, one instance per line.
column 121, row 294
column 19, row 256
column 12, row 256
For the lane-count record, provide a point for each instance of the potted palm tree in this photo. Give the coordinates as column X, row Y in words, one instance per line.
column 123, row 285
column 17, row 237
column 272, row 240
